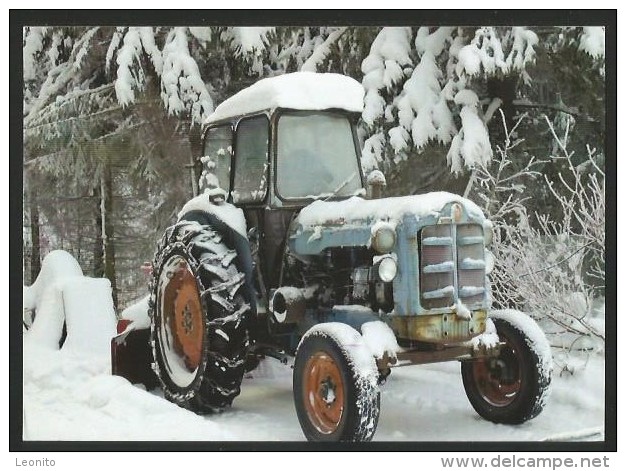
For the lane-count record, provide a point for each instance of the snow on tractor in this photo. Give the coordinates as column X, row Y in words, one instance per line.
column 281, row 256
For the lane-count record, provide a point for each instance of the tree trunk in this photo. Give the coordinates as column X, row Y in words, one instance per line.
column 108, row 244
column 35, row 254
column 98, row 249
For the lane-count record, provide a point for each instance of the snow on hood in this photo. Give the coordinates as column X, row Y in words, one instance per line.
column 359, row 209
column 298, row 90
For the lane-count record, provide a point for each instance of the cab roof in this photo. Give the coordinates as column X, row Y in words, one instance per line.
column 298, row 90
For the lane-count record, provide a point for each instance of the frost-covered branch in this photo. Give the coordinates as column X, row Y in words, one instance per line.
column 551, row 268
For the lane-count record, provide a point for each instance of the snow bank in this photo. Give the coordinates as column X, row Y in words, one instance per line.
column 56, row 265
column 225, row 212
column 138, row 314
column 299, row 90
column 62, row 295
column 89, row 315
column 45, row 297
column 71, row 397
column 356, row 208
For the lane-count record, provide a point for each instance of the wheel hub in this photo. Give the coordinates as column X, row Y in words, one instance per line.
column 499, row 379
column 187, row 319
column 327, row 391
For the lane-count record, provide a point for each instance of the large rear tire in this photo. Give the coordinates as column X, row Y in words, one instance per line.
column 199, row 317
column 512, row 387
column 335, row 385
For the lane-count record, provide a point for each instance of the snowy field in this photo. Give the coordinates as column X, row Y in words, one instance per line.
column 70, row 394
column 67, row 397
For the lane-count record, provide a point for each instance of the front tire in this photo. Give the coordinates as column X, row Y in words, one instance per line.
column 512, row 387
column 335, row 385
column 198, row 328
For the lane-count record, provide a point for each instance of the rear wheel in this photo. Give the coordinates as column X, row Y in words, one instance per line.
column 335, row 385
column 512, row 387
column 198, row 333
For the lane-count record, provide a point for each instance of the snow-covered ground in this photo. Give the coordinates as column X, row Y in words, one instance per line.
column 68, row 397
column 70, row 394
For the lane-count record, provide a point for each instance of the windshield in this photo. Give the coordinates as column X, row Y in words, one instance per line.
column 316, row 156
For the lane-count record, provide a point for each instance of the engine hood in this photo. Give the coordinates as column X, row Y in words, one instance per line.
column 350, row 222
column 357, row 210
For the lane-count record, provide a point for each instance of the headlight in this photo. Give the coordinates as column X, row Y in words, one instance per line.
column 488, row 232
column 383, row 237
column 387, row 269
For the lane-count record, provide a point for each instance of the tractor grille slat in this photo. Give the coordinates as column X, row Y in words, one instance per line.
column 449, row 273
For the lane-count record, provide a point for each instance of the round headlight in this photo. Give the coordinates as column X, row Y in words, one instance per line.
column 387, row 269
column 383, row 238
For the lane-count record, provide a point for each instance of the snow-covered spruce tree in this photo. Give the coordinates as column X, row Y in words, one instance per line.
column 82, row 120
column 116, row 111
column 550, row 267
column 427, row 86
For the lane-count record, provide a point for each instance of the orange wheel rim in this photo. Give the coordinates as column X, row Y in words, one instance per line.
column 181, row 324
column 323, row 392
column 188, row 325
column 499, row 379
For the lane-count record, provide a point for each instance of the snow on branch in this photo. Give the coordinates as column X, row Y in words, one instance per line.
column 592, row 41
column 182, row 87
column 129, row 76
column 382, row 69
column 60, row 76
column 33, row 45
column 249, row 43
column 471, row 146
column 130, row 73
column 422, row 108
column 321, row 51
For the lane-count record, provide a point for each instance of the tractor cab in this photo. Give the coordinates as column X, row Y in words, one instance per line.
column 285, row 141
column 279, row 145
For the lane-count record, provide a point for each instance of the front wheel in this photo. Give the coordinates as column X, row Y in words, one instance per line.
column 335, row 385
column 512, row 387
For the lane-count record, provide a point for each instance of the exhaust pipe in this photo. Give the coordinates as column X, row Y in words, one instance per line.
column 288, row 305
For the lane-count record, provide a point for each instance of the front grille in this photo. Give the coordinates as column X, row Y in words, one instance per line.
column 452, row 265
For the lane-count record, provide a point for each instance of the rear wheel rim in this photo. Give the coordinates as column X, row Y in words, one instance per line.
column 324, row 393
column 499, row 379
column 181, row 323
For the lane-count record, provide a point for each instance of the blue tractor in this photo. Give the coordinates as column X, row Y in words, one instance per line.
column 289, row 251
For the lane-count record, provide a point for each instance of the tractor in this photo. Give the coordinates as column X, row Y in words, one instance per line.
column 289, row 251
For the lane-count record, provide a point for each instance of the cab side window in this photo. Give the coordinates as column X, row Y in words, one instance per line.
column 251, row 160
column 217, row 157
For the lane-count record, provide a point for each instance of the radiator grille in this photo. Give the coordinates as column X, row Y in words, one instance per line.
column 452, row 265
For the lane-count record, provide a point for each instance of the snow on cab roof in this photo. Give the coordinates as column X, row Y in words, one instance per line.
column 298, row 90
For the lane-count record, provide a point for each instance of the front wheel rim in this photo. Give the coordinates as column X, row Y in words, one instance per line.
column 499, row 379
column 323, row 393
column 181, row 324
